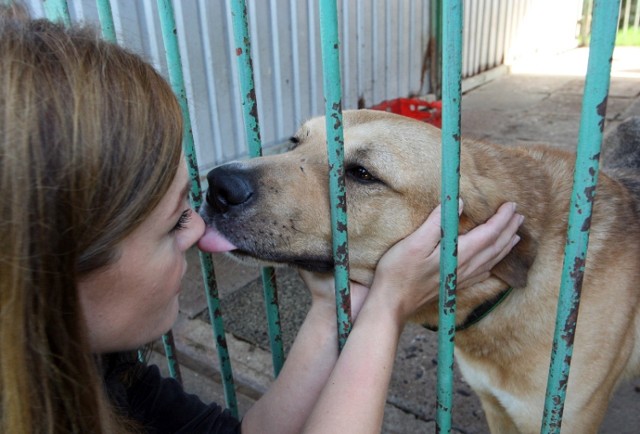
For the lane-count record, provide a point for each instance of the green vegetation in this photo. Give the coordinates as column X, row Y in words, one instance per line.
column 630, row 37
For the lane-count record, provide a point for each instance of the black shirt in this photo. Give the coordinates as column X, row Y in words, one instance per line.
column 160, row 405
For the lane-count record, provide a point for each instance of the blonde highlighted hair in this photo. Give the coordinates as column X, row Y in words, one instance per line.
column 89, row 141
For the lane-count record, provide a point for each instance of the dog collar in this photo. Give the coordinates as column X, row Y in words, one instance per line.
column 479, row 312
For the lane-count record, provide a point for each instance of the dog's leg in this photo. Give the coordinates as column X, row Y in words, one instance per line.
column 587, row 418
column 497, row 417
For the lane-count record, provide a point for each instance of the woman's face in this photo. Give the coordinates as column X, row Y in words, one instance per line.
column 135, row 300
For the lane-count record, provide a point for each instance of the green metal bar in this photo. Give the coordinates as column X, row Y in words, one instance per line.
column 169, row 36
column 170, row 353
column 242, row 42
column 106, row 20
column 215, row 317
column 335, row 148
column 435, row 41
column 594, row 104
column 451, row 99
column 270, row 293
column 57, row 10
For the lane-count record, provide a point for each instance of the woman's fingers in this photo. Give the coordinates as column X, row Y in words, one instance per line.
column 427, row 237
column 408, row 273
column 417, row 246
column 486, row 245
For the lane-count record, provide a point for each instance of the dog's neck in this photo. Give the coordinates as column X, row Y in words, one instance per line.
column 480, row 312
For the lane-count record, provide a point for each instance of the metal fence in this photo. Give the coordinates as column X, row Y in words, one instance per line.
column 388, row 51
column 630, row 16
column 603, row 30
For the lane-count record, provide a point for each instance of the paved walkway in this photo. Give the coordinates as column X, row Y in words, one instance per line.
column 539, row 102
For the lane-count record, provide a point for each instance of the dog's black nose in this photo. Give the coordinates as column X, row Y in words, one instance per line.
column 229, row 186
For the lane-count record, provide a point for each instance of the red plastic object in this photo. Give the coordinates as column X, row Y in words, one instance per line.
column 430, row 112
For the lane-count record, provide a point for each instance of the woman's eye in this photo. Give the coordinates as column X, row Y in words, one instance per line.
column 361, row 174
column 182, row 221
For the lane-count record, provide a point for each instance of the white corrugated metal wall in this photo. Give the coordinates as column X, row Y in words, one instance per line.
column 384, row 54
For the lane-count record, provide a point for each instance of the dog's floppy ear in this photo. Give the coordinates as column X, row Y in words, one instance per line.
column 514, row 268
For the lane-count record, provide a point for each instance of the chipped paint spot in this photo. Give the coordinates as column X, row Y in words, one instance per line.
column 577, row 271
column 342, row 203
column 222, row 342
column 251, row 97
column 590, row 193
column 602, row 111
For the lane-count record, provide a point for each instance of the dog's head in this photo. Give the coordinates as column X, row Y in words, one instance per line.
column 276, row 208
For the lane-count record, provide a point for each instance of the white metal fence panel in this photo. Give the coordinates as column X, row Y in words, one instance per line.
column 384, row 54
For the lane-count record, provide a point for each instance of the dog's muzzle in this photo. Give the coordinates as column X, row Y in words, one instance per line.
column 230, row 188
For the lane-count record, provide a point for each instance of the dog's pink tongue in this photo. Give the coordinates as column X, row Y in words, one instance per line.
column 212, row 241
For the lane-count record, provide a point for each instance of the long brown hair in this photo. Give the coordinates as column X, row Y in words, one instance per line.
column 89, row 143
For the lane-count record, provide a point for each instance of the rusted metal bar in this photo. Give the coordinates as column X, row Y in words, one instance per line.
column 451, row 99
column 170, row 354
column 332, row 85
column 594, row 104
column 242, row 42
column 435, row 48
column 174, row 63
column 272, row 309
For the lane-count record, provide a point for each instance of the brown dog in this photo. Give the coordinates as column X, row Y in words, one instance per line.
column 276, row 209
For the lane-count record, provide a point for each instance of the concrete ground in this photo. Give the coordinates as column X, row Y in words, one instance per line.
column 537, row 102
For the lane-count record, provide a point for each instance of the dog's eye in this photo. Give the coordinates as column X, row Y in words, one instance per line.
column 361, row 174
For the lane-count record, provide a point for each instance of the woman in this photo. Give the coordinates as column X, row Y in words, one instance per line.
column 96, row 223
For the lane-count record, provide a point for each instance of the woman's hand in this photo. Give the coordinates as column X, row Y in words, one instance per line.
column 323, row 289
column 406, row 278
column 409, row 272
column 483, row 247
column 407, row 275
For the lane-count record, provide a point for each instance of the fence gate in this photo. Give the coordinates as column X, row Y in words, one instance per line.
column 604, row 24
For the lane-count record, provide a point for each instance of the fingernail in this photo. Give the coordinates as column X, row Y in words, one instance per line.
column 520, row 219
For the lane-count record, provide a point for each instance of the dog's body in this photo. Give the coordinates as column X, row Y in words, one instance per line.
column 276, row 209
